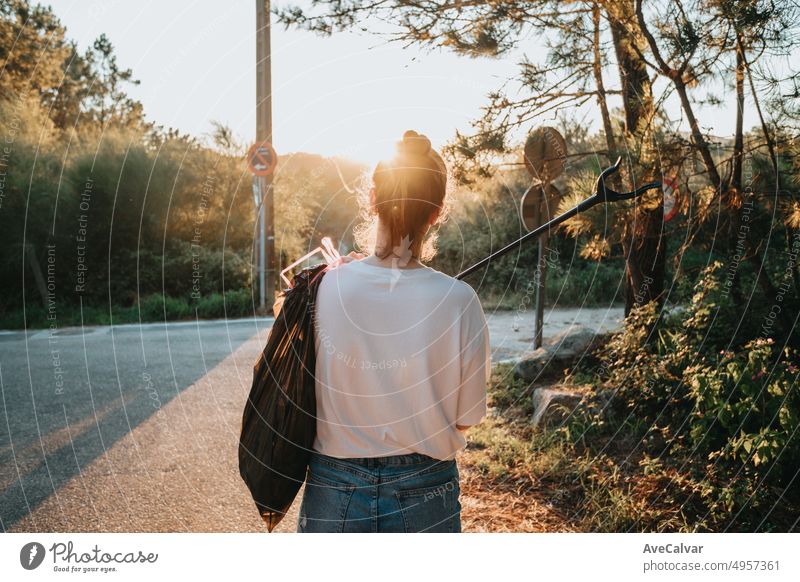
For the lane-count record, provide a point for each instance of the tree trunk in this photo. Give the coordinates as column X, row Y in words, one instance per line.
column 738, row 145
column 645, row 263
column 643, row 242
column 734, row 191
column 697, row 135
column 773, row 156
column 597, row 68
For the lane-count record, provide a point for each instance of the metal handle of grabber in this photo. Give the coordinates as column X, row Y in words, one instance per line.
column 601, row 194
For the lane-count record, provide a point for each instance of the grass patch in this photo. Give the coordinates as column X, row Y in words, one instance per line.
column 156, row 307
column 599, row 474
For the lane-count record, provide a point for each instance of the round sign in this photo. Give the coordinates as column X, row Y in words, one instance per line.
column 262, row 159
column 545, row 154
column 671, row 198
column 531, row 208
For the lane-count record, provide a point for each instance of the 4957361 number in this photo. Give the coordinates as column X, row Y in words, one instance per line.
column 755, row 565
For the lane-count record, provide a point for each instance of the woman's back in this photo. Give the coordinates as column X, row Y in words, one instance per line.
column 402, row 365
column 402, row 358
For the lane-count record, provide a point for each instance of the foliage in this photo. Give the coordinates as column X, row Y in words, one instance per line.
column 612, row 469
column 746, row 410
column 158, row 307
column 99, row 206
column 594, row 481
column 599, row 48
column 114, row 215
column 152, row 308
column 484, row 217
column 716, row 395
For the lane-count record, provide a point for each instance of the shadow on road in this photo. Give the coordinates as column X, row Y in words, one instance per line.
column 68, row 397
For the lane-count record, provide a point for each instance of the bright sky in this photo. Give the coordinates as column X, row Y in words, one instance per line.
column 349, row 95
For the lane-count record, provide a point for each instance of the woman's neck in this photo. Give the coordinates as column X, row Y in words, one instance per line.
column 392, row 262
column 400, row 256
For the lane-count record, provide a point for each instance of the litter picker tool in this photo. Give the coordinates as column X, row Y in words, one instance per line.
column 601, row 194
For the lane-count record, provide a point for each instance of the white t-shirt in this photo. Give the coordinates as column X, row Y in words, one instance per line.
column 402, row 357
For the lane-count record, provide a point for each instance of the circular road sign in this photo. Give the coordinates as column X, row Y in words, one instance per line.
column 531, row 208
column 262, row 159
column 545, row 154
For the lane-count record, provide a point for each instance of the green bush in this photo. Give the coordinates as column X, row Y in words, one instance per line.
column 154, row 307
column 238, row 303
column 157, row 307
column 585, row 283
column 210, row 306
column 727, row 408
column 746, row 410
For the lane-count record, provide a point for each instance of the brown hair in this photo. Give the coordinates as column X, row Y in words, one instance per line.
column 408, row 189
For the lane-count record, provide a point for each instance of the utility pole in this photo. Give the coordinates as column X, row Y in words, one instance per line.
column 266, row 254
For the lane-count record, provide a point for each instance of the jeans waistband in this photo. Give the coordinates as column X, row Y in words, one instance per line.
column 393, row 460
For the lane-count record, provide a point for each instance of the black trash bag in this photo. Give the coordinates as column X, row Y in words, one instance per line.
column 279, row 423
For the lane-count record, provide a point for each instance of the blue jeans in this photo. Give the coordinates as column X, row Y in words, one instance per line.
column 401, row 493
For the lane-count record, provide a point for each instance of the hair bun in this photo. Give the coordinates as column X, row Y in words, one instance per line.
column 414, row 144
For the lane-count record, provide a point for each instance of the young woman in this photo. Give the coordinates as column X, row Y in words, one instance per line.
column 402, row 364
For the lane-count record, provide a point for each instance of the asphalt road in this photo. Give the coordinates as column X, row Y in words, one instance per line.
column 127, row 428
column 135, row 428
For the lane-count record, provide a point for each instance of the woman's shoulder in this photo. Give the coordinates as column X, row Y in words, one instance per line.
column 459, row 289
column 455, row 289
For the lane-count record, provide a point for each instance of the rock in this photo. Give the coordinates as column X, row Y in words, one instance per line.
column 603, row 398
column 559, row 352
column 553, row 404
